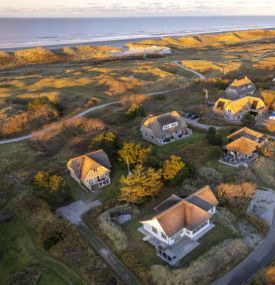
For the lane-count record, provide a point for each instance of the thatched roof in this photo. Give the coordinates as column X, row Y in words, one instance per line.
column 242, row 145
column 241, row 82
column 182, row 215
column 87, row 163
column 246, row 132
column 177, row 213
column 156, row 123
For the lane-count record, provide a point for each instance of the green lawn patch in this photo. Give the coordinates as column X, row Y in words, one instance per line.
column 19, row 250
column 177, row 146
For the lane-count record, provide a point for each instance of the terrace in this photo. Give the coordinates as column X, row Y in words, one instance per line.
column 174, row 253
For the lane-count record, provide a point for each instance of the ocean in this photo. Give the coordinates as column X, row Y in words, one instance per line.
column 29, row 32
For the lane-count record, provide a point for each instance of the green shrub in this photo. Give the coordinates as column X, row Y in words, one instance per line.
column 213, row 137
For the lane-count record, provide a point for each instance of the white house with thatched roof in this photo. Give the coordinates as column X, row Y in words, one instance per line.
column 165, row 128
column 91, row 170
column 179, row 223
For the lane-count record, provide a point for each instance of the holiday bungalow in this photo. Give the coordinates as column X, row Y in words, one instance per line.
column 165, row 128
column 91, row 170
column 243, row 147
column 240, row 88
column 235, row 110
column 179, row 223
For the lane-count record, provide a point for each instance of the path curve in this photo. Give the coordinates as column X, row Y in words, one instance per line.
column 261, row 257
column 201, row 76
column 90, row 110
column 73, row 214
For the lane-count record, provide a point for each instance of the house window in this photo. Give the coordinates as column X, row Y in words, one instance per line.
column 163, row 235
column 154, row 230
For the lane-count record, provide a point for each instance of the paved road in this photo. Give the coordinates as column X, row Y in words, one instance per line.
column 73, row 213
column 197, row 124
column 19, row 139
column 258, row 259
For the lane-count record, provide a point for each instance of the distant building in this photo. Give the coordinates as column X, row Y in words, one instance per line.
column 272, row 116
column 179, row 223
column 235, row 110
column 165, row 128
column 240, row 88
column 91, row 170
column 243, row 147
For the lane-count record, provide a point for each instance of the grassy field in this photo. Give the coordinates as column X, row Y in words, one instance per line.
column 19, row 251
column 178, row 146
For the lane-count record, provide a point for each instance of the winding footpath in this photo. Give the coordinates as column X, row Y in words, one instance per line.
column 103, row 106
column 261, row 257
column 73, row 214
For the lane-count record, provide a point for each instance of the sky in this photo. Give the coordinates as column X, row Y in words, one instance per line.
column 119, row 8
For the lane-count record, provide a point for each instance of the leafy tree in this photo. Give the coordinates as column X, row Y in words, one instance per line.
column 41, row 179
column 133, row 153
column 213, row 137
column 248, row 119
column 172, row 167
column 45, row 181
column 56, row 183
column 106, row 140
column 135, row 110
column 142, row 184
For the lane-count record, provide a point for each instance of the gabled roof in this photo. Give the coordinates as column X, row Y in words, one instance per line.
column 156, row 123
column 182, row 215
column 241, row 82
column 85, row 164
column 238, row 105
column 244, row 132
column 204, row 198
column 221, row 104
column 185, row 213
column 242, row 145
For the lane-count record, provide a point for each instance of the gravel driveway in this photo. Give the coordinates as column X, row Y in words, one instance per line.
column 74, row 211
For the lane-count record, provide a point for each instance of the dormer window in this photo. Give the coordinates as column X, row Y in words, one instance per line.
column 169, row 126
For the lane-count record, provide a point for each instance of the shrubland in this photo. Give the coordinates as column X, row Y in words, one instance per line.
column 71, row 132
column 204, row 269
column 62, row 240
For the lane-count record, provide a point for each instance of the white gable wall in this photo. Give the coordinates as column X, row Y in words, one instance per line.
column 147, row 226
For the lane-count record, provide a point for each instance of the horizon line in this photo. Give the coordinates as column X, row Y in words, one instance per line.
column 138, row 16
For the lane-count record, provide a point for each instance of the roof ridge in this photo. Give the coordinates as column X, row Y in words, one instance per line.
column 198, row 191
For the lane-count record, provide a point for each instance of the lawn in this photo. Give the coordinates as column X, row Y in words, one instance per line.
column 19, row 250
column 177, row 146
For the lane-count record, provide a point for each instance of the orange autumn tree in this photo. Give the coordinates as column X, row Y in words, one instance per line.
column 140, row 185
column 172, row 166
column 133, row 153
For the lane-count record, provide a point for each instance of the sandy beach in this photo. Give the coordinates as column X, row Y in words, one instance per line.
column 121, row 42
